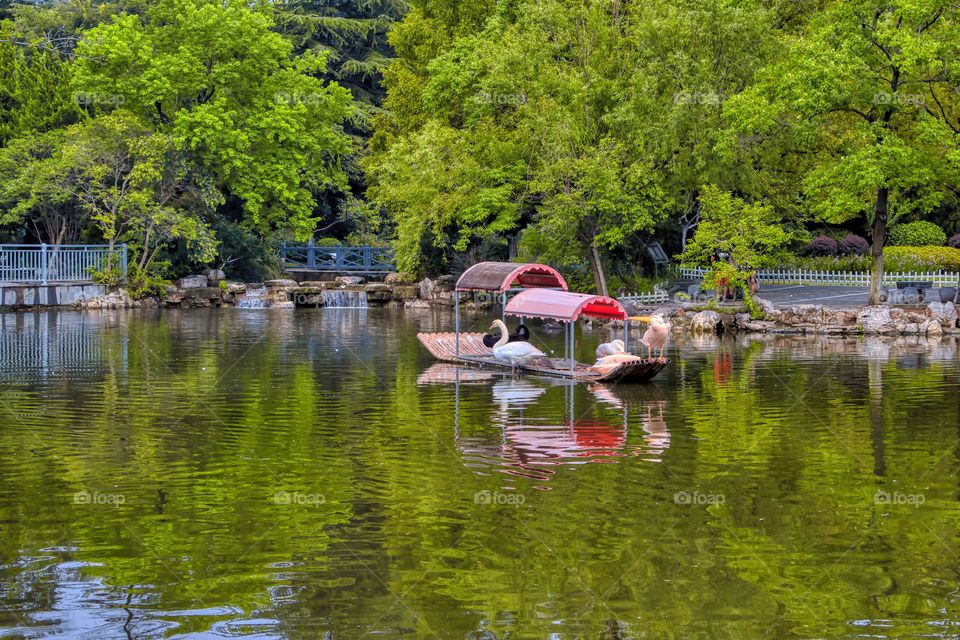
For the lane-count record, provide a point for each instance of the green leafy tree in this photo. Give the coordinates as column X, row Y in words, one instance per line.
column 215, row 77
column 750, row 233
column 865, row 95
column 118, row 175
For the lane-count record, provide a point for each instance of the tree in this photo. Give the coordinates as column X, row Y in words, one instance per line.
column 864, row 94
column 750, row 233
column 114, row 172
column 218, row 80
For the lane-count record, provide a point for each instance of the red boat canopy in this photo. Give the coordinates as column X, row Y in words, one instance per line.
column 501, row 276
column 563, row 305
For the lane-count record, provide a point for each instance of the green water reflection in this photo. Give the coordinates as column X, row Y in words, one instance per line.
column 316, row 474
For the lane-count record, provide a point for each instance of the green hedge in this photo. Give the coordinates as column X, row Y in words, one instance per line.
column 921, row 259
column 918, row 234
column 894, row 259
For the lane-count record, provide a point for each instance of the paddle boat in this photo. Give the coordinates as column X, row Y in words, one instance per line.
column 535, row 291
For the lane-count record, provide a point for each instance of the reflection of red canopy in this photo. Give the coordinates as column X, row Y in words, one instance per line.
column 538, row 444
column 500, row 276
column 563, row 305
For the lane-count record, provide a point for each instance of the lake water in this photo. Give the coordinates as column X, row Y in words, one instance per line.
column 316, row 474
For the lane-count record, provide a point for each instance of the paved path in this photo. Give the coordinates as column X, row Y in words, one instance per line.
column 787, row 294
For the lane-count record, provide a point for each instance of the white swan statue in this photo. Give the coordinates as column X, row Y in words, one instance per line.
column 517, row 353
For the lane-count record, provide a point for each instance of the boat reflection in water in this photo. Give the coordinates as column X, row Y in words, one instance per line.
column 520, row 433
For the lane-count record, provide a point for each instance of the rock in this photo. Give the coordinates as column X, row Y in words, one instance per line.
column 427, row 287
column 761, row 326
column 400, row 278
column 174, row 298
column 416, row 304
column 348, row 280
column 741, row 319
column 192, row 282
column 876, row 319
column 943, row 312
column 317, row 284
column 705, row 322
column 378, row 292
column 932, row 328
column 215, row 275
column 770, row 312
column 908, row 329
column 236, row 288
column 802, row 314
column 406, row 292
column 446, row 283
column 282, row 305
column 281, row 284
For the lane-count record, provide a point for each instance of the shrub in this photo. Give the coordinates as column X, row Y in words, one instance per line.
column 853, row 244
column 921, row 259
column 823, row 246
column 917, row 234
column 894, row 259
column 954, row 241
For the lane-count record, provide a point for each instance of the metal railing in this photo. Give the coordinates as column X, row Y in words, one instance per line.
column 45, row 263
column 841, row 278
column 347, row 259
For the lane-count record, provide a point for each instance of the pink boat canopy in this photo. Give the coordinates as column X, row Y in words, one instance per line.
column 563, row 305
column 501, row 276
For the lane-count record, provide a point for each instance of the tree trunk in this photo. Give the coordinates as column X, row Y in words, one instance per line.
column 593, row 254
column 879, row 239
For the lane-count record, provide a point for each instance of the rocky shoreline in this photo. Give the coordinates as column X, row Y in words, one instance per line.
column 936, row 319
column 398, row 290
column 211, row 289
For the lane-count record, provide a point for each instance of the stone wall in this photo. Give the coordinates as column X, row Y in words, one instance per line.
column 211, row 289
column 937, row 318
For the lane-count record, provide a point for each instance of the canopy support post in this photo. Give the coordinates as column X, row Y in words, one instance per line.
column 626, row 335
column 456, row 315
column 573, row 359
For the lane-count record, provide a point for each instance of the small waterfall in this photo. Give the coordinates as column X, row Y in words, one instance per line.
column 343, row 299
column 255, row 299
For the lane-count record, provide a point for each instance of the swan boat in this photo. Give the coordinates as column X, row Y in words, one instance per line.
column 538, row 291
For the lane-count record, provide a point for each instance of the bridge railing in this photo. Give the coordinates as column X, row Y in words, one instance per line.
column 340, row 258
column 44, row 263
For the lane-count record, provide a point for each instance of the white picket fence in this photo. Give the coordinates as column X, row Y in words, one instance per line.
column 841, row 278
column 657, row 296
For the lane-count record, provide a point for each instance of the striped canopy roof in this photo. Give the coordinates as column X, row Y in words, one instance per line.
column 501, row 276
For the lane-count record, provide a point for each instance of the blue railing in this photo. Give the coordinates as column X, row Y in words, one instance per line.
column 347, row 259
column 45, row 263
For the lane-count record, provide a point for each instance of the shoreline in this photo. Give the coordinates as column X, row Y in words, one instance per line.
column 401, row 291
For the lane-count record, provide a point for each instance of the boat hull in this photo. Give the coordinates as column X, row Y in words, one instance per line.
column 443, row 346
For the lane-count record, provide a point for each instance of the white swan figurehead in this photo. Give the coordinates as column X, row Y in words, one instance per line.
column 517, row 353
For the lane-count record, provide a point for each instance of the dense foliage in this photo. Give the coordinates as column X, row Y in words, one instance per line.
column 551, row 130
column 918, row 234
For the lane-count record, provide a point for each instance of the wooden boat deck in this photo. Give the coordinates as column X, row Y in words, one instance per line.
column 443, row 346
